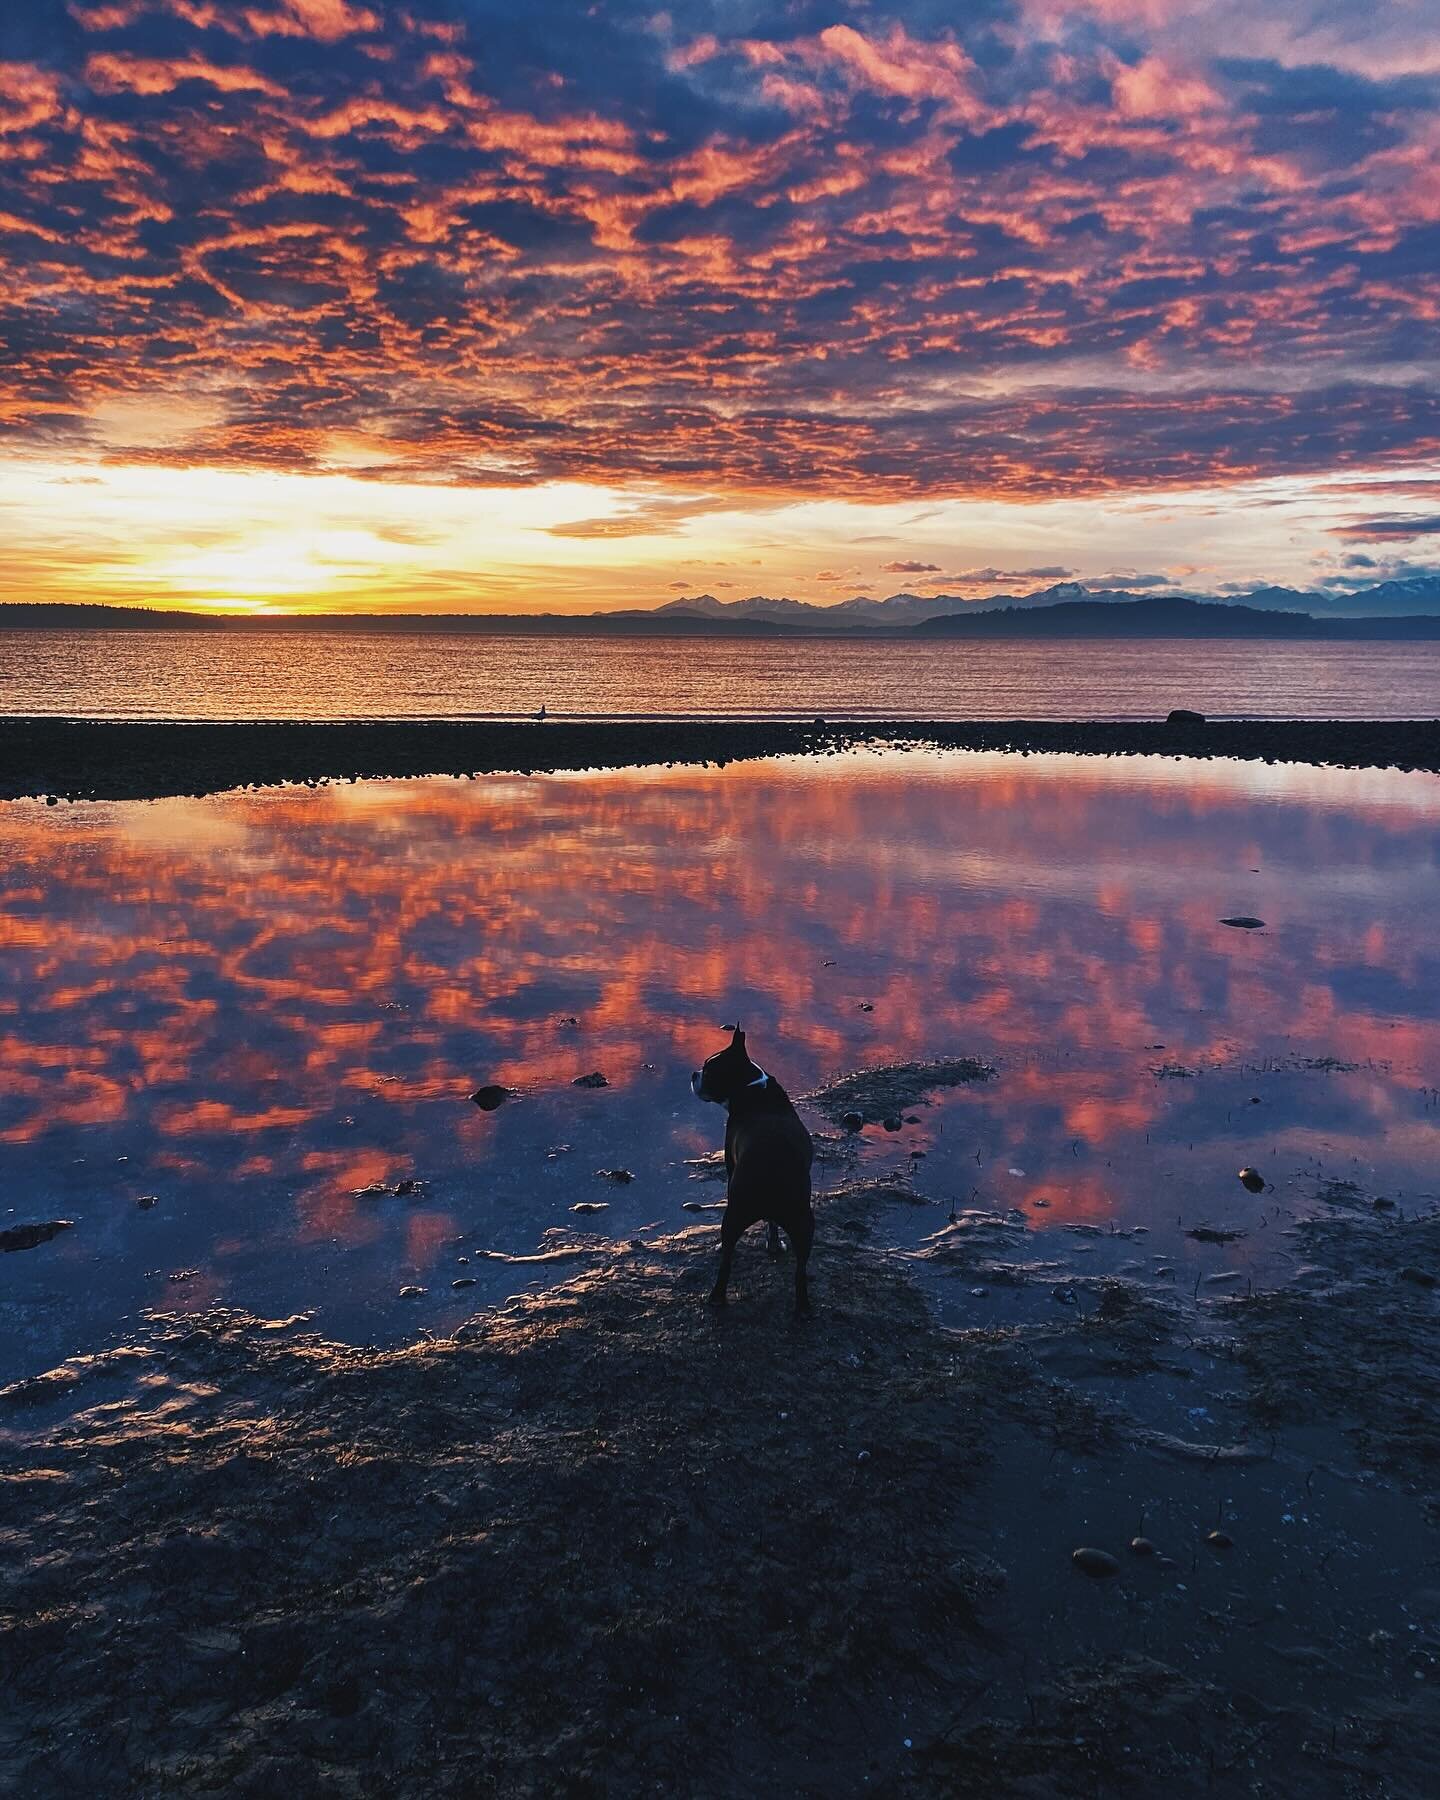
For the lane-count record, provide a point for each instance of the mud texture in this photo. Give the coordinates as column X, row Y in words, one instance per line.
column 604, row 1542
column 107, row 760
column 869, row 1096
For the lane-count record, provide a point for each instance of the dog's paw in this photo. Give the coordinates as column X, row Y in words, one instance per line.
column 716, row 1297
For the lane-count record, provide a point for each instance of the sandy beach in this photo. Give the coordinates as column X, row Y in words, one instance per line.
column 599, row 1541
column 98, row 760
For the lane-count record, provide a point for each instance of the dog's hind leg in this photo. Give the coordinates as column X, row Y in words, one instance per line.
column 800, row 1241
column 772, row 1243
column 730, row 1229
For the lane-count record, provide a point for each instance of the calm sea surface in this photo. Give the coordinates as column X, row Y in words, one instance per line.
column 344, row 675
column 254, row 1006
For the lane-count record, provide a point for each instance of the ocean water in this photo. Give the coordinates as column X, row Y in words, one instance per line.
column 279, row 674
column 252, row 1007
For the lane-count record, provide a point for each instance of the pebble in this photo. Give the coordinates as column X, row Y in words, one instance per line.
column 146, row 1201
column 979, row 1293
column 1098, row 1564
column 590, row 1206
column 893, row 1123
column 1219, row 1540
column 1244, row 922
column 866, row 1006
column 1252, row 1181
column 593, row 1080
column 1065, row 1295
column 462, row 1281
column 692, row 1206
column 408, row 1188
column 620, row 1175
column 853, row 1121
column 26, row 1237
column 1039, row 1202
column 1166, row 1562
column 489, row 1097
column 412, row 1292
column 1383, row 1205
column 1141, row 1546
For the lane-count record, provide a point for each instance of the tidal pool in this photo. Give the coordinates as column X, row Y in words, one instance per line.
column 255, row 1007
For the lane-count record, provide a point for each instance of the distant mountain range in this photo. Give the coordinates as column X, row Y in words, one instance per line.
column 1390, row 609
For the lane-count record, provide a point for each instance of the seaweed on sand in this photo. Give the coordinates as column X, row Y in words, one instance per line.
column 876, row 1094
column 1355, row 1341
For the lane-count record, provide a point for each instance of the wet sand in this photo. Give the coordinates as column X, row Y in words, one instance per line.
column 101, row 760
column 603, row 1542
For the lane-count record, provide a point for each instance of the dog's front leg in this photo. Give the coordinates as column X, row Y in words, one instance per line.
column 772, row 1243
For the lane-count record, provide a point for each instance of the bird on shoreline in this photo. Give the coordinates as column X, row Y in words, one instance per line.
column 540, row 714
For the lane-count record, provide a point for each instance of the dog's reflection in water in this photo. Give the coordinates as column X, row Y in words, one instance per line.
column 768, row 1153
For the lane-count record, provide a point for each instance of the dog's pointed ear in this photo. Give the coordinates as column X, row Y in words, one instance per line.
column 738, row 1041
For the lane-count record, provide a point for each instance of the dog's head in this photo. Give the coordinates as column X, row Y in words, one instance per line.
column 726, row 1072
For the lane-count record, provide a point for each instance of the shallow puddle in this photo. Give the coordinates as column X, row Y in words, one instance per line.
column 253, row 1009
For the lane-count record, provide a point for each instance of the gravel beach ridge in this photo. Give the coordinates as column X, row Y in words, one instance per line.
column 86, row 759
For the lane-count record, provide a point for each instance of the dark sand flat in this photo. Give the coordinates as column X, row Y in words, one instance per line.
column 101, row 760
column 601, row 1542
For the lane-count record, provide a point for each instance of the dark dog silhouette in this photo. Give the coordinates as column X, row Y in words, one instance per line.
column 768, row 1153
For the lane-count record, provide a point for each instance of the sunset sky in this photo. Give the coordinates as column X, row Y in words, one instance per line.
column 465, row 306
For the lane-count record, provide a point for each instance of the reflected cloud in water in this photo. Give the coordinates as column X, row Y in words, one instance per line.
column 258, row 1005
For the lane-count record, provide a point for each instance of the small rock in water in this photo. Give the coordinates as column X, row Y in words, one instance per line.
column 1244, row 922
column 487, row 1098
column 893, row 1123
column 412, row 1292
column 866, row 1006
column 1181, row 715
column 1252, row 1181
column 146, row 1201
column 1098, row 1564
column 1381, row 1204
column 621, row 1175
column 568, row 1022
column 1065, row 1295
column 1219, row 1540
column 1141, row 1546
column 1421, row 1277
column 593, row 1080
column 590, row 1206
column 979, row 1293
column 853, row 1121
column 408, row 1188
column 1039, row 1202
column 1166, row 1562
column 374, row 1190
column 558, row 1150
column 27, row 1237
column 692, row 1206
column 463, row 1281
column 1214, row 1234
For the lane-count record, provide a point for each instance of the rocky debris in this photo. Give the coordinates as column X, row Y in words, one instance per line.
column 413, row 1292
column 590, row 1206
column 28, row 1237
column 707, row 1168
column 1252, row 1181
column 886, row 1092
column 409, row 1188
column 593, row 1080
column 146, row 1201
column 1214, row 1234
column 622, row 1176
column 491, row 1096
column 1244, row 922
column 1098, row 1564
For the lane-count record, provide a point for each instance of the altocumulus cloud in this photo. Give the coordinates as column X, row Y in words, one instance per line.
column 858, row 249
